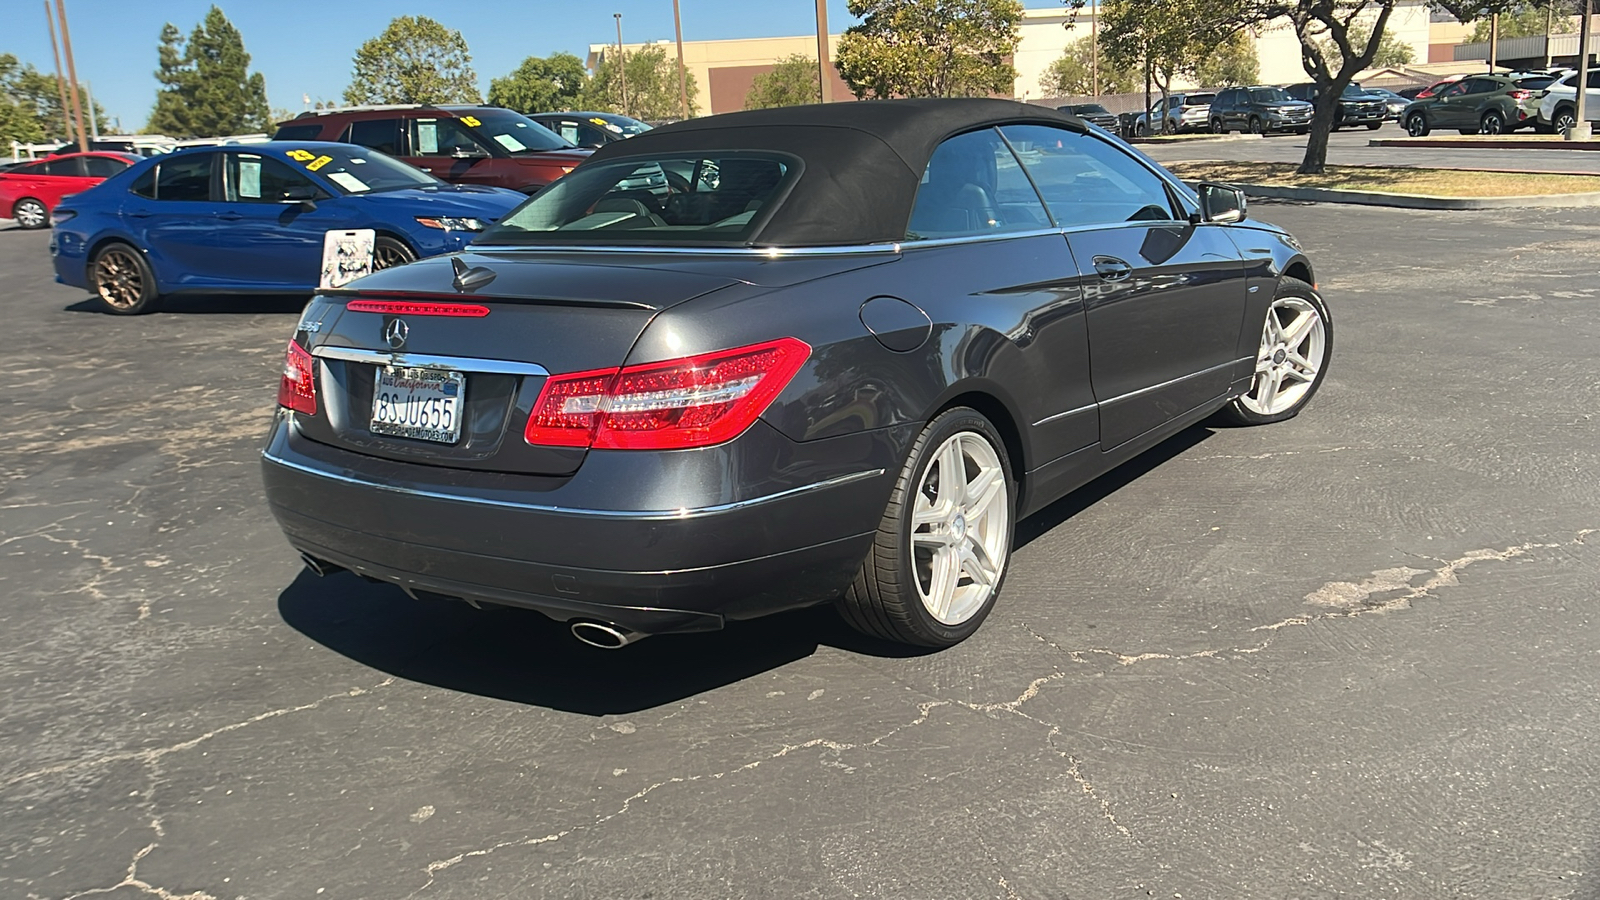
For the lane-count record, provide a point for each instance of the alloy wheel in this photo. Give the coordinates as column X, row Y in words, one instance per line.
column 30, row 214
column 1565, row 122
column 1416, row 125
column 1255, row 126
column 960, row 528
column 1492, row 124
column 387, row 254
column 118, row 279
column 1294, row 346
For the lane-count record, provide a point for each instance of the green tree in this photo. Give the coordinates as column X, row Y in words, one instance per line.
column 207, row 87
column 30, row 105
column 930, row 48
column 1167, row 38
column 794, row 81
column 1073, row 74
column 415, row 60
column 652, row 85
column 541, row 84
column 1526, row 20
column 1233, row 62
column 1391, row 50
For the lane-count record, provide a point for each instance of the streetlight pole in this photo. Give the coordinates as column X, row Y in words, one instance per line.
column 622, row 63
column 1494, row 42
column 823, row 81
column 1094, row 48
column 683, row 75
column 1581, row 129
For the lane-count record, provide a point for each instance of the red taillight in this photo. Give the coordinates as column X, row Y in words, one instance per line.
column 1519, row 95
column 298, row 389
column 693, row 402
column 410, row 308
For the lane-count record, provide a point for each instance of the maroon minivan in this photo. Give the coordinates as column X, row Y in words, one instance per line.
column 460, row 144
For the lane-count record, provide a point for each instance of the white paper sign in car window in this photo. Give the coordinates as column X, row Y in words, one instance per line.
column 346, row 256
column 249, row 178
column 427, row 136
column 510, row 143
column 349, row 182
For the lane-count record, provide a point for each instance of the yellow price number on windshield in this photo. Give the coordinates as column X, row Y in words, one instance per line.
column 470, row 121
column 318, row 163
column 301, row 155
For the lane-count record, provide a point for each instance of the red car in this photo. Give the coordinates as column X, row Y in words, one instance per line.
column 29, row 192
column 460, row 144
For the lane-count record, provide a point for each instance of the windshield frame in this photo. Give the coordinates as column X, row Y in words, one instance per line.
column 504, row 233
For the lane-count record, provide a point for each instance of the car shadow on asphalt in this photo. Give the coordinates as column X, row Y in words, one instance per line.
column 218, row 304
column 523, row 657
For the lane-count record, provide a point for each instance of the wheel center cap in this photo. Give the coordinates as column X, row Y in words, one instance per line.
column 1279, row 355
column 959, row 527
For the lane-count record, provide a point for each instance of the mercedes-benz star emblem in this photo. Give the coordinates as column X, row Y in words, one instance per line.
column 395, row 332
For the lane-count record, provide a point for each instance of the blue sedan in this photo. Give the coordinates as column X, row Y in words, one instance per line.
column 252, row 219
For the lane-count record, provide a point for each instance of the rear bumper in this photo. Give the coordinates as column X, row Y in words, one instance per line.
column 475, row 535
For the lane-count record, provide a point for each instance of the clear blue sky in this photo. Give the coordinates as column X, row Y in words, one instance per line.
column 306, row 48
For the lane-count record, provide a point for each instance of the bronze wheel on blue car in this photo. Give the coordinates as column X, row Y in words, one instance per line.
column 122, row 280
column 942, row 548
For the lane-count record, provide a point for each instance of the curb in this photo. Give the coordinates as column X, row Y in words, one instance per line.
column 1420, row 201
column 1498, row 144
column 1193, row 139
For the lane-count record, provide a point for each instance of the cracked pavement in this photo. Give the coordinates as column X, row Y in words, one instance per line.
column 1350, row 655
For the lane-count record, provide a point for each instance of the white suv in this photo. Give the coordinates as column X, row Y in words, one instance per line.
column 1558, row 111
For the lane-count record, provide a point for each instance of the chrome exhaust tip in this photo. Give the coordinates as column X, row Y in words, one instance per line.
column 606, row 637
column 319, row 567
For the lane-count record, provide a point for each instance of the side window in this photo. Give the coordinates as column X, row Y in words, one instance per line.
column 185, row 178
column 589, row 136
column 974, row 186
column 30, row 169
column 1480, row 86
column 443, row 137
column 382, row 135
column 1087, row 181
column 1454, row 90
column 103, row 166
column 1594, row 80
column 249, row 178
column 145, row 184
column 567, row 129
column 71, row 168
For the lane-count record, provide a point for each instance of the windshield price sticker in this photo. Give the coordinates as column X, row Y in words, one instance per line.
column 301, row 155
column 470, row 121
column 318, row 163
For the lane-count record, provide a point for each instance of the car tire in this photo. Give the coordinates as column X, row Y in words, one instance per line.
column 1374, row 126
column 122, row 280
column 1140, row 129
column 909, row 589
column 1302, row 130
column 1564, row 121
column 1255, row 126
column 388, row 252
column 1417, row 125
column 1301, row 356
column 1217, row 127
column 30, row 214
column 1492, row 123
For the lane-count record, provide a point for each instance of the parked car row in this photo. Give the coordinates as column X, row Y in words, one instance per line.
column 1480, row 104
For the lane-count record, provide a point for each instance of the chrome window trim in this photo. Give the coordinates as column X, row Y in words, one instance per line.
column 769, row 252
column 639, row 514
column 978, row 238
column 426, row 361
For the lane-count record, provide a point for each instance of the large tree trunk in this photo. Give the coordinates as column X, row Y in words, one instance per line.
column 1316, row 159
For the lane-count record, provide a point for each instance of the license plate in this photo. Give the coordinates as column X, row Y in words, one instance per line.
column 422, row 404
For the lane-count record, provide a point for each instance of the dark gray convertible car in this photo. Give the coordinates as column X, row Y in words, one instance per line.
column 836, row 363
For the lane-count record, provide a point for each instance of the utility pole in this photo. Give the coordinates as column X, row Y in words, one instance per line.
column 72, row 73
column 824, row 82
column 683, row 75
column 1582, row 130
column 1549, row 26
column 61, row 80
column 1094, row 48
column 94, row 126
column 622, row 62
column 1494, row 42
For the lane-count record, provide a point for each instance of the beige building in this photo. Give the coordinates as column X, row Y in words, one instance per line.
column 725, row 69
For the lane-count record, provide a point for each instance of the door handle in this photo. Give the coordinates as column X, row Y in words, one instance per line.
column 427, row 168
column 229, row 216
column 1112, row 269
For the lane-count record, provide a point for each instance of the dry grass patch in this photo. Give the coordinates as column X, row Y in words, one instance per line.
column 1399, row 180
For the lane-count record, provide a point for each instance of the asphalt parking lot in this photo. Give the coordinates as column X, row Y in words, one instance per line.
column 1350, row 655
column 1349, row 148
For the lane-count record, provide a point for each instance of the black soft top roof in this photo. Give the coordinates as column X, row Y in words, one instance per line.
column 861, row 161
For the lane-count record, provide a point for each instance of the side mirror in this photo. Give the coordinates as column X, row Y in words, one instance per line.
column 1221, row 203
column 304, row 194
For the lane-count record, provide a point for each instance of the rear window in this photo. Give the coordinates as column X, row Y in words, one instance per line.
column 1198, row 99
column 299, row 132
column 1536, row 83
column 698, row 199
